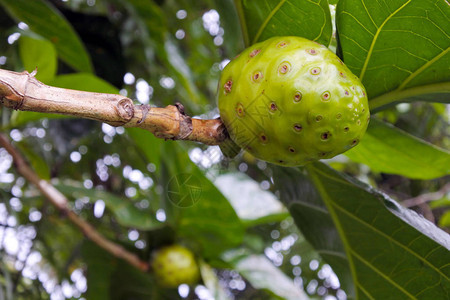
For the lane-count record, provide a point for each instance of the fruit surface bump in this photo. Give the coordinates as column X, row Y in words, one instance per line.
column 174, row 265
column 289, row 101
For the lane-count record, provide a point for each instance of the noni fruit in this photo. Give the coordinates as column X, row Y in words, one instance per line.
column 174, row 265
column 289, row 100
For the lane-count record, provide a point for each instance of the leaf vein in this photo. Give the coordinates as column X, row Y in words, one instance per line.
column 267, row 20
column 369, row 54
column 382, row 274
column 421, row 69
column 357, row 21
column 416, row 34
column 389, row 238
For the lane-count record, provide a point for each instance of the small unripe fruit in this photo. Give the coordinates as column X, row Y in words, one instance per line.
column 289, row 101
column 174, row 265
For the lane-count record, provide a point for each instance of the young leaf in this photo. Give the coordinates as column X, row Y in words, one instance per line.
column 38, row 163
column 263, row 19
column 398, row 47
column 388, row 149
column 40, row 54
column 53, row 27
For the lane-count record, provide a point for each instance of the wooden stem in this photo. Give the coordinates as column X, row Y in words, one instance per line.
column 22, row 91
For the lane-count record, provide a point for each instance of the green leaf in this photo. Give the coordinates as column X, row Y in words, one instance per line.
column 38, row 53
column 386, row 245
column 311, row 216
column 399, row 47
column 388, row 149
column 148, row 144
column 53, row 27
column 263, row 19
column 445, row 220
column 100, row 267
column 126, row 213
column 129, row 283
column 203, row 216
column 84, row 82
column 76, row 81
column 38, row 163
column 262, row 274
column 391, row 251
column 443, row 202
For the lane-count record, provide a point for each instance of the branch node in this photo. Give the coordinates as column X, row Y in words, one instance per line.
column 125, row 109
column 145, row 110
column 185, row 123
column 30, row 76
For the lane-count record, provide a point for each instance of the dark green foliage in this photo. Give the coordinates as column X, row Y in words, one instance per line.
column 259, row 231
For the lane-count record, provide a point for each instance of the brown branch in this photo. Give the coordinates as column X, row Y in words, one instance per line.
column 61, row 203
column 421, row 199
column 22, row 91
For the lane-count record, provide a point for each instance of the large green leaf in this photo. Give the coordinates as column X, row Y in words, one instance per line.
column 202, row 215
column 263, row 19
column 125, row 211
column 47, row 21
column 311, row 216
column 262, row 274
column 40, row 54
column 388, row 149
column 392, row 252
column 399, row 47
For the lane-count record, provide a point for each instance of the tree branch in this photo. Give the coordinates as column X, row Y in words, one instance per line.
column 22, row 91
column 61, row 203
column 424, row 198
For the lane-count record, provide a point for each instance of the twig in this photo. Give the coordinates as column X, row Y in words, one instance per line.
column 23, row 91
column 61, row 203
column 416, row 201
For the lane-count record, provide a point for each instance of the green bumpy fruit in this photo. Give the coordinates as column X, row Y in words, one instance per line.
column 289, row 101
column 174, row 265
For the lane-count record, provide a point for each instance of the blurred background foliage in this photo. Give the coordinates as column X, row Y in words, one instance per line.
column 122, row 180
